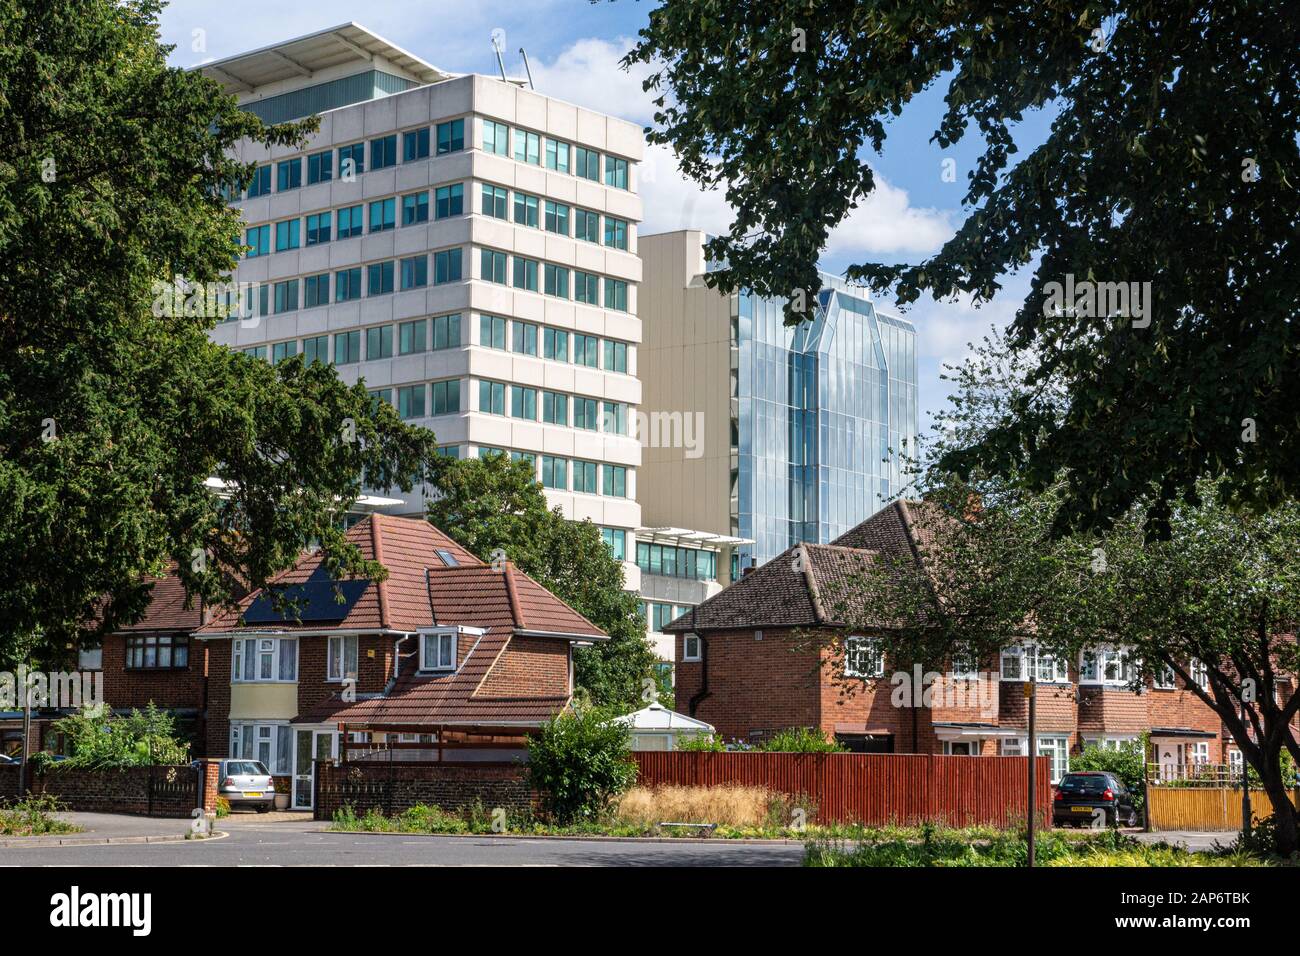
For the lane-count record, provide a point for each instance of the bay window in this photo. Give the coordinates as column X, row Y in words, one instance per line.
column 272, row 744
column 1110, row 666
column 1019, row 661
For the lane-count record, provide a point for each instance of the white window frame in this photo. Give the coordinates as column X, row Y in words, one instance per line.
column 871, row 655
column 1198, row 752
column 964, row 667
column 1165, row 678
column 1058, row 751
column 438, row 665
column 276, row 734
column 687, row 641
column 1105, row 659
column 976, row 748
column 239, row 648
column 338, row 649
column 1111, row 742
column 1057, row 671
column 1199, row 673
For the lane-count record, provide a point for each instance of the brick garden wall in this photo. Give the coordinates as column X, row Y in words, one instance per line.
column 174, row 789
column 394, row 787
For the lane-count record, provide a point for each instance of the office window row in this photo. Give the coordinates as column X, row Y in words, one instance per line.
column 525, row 146
column 548, row 278
column 561, row 218
column 351, row 160
column 410, row 338
column 527, row 338
column 553, row 408
column 422, row 399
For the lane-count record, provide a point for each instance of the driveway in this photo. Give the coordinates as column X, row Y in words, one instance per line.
column 254, row 842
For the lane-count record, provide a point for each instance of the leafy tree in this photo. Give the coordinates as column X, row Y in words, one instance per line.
column 115, row 407
column 1224, row 590
column 490, row 504
column 1171, row 159
column 1128, row 763
column 580, row 761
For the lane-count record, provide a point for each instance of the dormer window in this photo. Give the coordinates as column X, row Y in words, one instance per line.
column 438, row 651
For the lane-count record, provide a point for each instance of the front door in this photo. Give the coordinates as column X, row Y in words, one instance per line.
column 1169, row 756
column 310, row 746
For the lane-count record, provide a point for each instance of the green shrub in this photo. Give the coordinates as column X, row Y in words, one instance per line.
column 802, row 740
column 100, row 740
column 701, row 743
column 1128, row 764
column 578, row 762
column 34, row 816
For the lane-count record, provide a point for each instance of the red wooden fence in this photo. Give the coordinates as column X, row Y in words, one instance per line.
column 873, row 789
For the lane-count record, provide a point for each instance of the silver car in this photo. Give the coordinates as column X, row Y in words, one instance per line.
column 247, row 783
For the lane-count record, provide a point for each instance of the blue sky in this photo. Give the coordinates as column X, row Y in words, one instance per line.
column 573, row 47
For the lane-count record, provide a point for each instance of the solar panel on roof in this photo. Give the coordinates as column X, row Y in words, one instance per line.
column 316, row 599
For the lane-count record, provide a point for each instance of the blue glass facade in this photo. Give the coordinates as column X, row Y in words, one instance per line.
column 822, row 414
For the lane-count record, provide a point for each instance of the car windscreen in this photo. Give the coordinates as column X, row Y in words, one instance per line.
column 250, row 767
column 1075, row 783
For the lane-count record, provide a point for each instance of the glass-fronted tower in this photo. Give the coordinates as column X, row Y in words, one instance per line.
column 799, row 431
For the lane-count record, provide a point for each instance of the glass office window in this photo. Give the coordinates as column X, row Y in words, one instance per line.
column 383, row 152
column 525, row 276
column 492, row 266
column 555, row 345
column 320, row 168
column 450, row 200
column 415, row 272
column 410, row 401
column 383, row 215
column 347, row 285
column 492, row 398
column 415, row 208
column 415, row 144
column 412, row 337
column 524, row 338
column 446, row 397
column 379, row 278
column 446, row 332
column 492, row 332
column 288, row 174
column 495, row 200
column 527, row 147
column 557, row 156
column 446, row 266
column 352, row 161
column 526, row 209
column 451, row 136
column 379, row 343
column 496, row 138
column 348, row 222
column 347, row 347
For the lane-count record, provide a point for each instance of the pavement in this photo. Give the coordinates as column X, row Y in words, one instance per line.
column 1189, row 839
column 254, row 840
column 106, row 828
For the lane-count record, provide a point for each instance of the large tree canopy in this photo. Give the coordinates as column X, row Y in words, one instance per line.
column 113, row 413
column 1172, row 160
column 495, row 505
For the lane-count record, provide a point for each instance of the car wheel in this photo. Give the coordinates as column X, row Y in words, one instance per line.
column 1132, row 818
column 263, row 808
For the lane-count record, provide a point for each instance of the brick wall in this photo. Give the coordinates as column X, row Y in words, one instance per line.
column 530, row 667
column 394, row 787
column 171, row 688
column 754, row 686
column 145, row 791
column 8, row 782
column 218, row 717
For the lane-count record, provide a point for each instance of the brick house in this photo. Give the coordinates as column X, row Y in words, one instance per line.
column 754, row 659
column 445, row 649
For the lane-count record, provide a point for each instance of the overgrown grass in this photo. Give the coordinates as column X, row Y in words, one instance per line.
column 34, row 816
column 940, row 847
column 738, row 812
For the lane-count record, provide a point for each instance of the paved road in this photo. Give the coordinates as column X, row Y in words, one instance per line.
column 1190, row 839
column 295, row 844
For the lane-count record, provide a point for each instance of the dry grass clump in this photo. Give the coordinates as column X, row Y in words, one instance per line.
column 728, row 805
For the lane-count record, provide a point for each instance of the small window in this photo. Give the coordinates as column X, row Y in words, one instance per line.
column 863, row 657
column 691, row 647
column 447, row 557
column 438, row 652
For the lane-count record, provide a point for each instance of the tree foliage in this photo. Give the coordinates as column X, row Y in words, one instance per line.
column 580, row 761
column 100, row 740
column 113, row 417
column 1171, row 159
column 490, row 504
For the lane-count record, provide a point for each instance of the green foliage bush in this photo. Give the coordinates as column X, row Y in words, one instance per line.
column 99, row 740
column 1128, row 764
column 580, row 761
column 802, row 740
column 34, row 816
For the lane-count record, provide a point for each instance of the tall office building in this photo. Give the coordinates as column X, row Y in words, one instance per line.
column 787, row 434
column 464, row 244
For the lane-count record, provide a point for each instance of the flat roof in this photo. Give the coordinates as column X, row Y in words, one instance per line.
column 305, row 56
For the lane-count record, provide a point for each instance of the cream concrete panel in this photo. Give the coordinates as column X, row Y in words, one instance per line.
column 284, row 205
column 559, row 250
column 256, row 210
column 378, row 374
column 558, row 378
column 412, row 107
column 491, row 430
column 452, row 297
column 377, row 310
column 409, row 305
column 412, row 176
column 449, row 232
column 451, row 99
column 530, row 179
column 263, row 701
column 621, row 512
column 378, row 245
column 588, row 381
column 631, row 573
column 531, row 243
column 410, row 240
column 408, row 368
column 591, row 129
column 561, row 186
column 525, row 436
column 344, row 193
column 558, row 441
column 283, row 266
column 530, row 110
column 488, row 231
column 624, row 139
column 447, row 363
column 623, row 388
column 346, row 315
column 528, row 371
column 494, row 98
column 313, row 322
column 490, row 363
column 591, row 195
column 378, row 183
column 490, row 297
column 559, row 313
column 489, row 167
column 623, row 204
column 348, row 126
column 380, row 117
column 315, row 259
column 628, row 328
column 345, row 253
column 561, row 119
column 589, row 257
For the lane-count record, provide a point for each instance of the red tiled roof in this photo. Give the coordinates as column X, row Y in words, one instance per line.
column 166, row 610
column 790, row 591
column 422, row 591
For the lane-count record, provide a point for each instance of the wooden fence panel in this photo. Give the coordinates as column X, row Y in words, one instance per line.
column 873, row 789
column 1204, row 808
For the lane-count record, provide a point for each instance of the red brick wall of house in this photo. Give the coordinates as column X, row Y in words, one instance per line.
column 218, row 718
column 167, row 688
column 754, row 686
column 1056, row 709
column 373, row 672
column 1112, row 710
column 530, row 667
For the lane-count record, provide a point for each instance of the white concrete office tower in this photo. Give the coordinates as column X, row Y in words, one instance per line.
column 465, row 245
